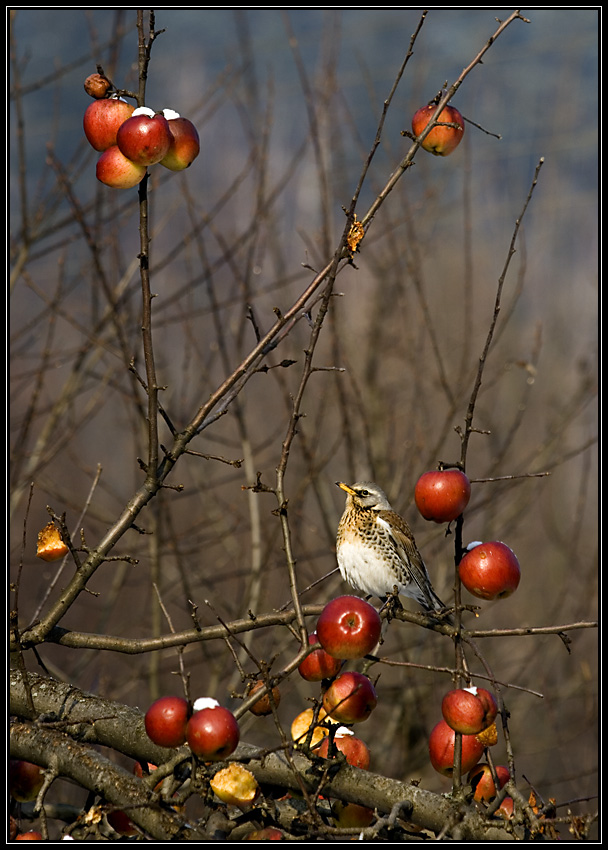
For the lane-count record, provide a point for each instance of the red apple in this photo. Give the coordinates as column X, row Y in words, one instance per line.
column 166, row 721
column 350, row 698
column 118, row 172
column 440, row 141
column 25, row 780
column 490, row 571
column 29, row 836
column 319, row 664
column 354, row 749
column 264, row 705
column 102, row 120
column 349, row 627
column 480, row 779
column 505, row 810
column 145, row 137
column 212, row 733
column 351, row 815
column 442, row 494
column 441, row 750
column 185, row 143
column 469, row 710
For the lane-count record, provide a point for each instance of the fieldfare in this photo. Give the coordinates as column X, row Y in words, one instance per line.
column 376, row 550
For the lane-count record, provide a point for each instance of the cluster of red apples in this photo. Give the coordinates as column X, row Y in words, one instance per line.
column 487, row 570
column 211, row 731
column 130, row 140
column 471, row 712
column 348, row 628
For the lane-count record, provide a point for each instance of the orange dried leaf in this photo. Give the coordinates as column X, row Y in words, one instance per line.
column 533, row 803
column 50, row 545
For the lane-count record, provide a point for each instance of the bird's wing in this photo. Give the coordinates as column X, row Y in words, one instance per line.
column 403, row 541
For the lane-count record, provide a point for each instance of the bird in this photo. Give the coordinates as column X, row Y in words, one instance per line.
column 376, row 550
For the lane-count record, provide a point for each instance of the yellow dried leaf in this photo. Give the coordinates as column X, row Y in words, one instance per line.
column 489, row 736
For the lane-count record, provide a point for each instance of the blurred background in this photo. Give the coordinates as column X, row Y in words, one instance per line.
column 287, row 105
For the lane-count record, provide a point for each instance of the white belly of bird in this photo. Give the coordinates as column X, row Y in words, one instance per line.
column 365, row 570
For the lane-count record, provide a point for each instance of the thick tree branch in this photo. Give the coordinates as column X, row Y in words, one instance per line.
column 78, row 712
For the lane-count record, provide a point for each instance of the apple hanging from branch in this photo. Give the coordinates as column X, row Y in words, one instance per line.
column 443, row 139
column 490, row 570
column 116, row 171
column 166, row 720
column 319, row 664
column 145, row 137
column 441, row 750
column 349, row 627
column 469, row 710
column 185, row 144
column 441, row 495
column 350, row 698
column 103, row 119
column 212, row 732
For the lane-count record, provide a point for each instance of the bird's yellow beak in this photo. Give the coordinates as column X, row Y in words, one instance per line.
column 345, row 487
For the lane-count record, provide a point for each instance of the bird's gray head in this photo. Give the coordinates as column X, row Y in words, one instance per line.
column 364, row 494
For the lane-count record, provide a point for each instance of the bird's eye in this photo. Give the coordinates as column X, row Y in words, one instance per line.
column 363, row 492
